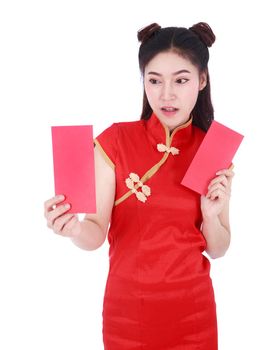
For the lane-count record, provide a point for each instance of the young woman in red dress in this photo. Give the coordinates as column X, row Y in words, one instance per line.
column 159, row 293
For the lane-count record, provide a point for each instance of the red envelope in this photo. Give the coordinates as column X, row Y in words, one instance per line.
column 215, row 153
column 73, row 159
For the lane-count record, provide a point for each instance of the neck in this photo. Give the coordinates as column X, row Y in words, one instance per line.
column 178, row 126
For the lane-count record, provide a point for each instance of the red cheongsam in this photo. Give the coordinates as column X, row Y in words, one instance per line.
column 159, row 293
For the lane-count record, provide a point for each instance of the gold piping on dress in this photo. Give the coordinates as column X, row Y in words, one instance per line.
column 106, row 157
column 156, row 167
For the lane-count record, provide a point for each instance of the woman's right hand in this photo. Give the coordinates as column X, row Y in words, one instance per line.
column 62, row 223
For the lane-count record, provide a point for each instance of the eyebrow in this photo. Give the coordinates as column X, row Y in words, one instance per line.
column 178, row 72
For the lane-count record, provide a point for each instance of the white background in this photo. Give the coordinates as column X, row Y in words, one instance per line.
column 75, row 62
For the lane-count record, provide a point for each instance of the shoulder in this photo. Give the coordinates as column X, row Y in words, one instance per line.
column 124, row 126
column 116, row 134
column 130, row 125
column 130, row 130
column 118, row 129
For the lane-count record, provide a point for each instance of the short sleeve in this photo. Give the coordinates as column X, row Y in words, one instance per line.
column 107, row 144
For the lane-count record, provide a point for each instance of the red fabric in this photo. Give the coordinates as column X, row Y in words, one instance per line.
column 108, row 140
column 158, row 294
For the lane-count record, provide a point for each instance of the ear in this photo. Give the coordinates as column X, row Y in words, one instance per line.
column 203, row 80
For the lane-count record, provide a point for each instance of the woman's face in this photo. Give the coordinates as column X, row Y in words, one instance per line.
column 173, row 81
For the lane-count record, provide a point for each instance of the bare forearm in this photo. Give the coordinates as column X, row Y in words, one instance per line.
column 90, row 237
column 215, row 213
column 217, row 236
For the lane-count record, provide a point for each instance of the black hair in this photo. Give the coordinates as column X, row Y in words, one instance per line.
column 191, row 43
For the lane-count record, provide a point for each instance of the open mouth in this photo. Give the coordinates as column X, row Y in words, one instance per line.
column 169, row 109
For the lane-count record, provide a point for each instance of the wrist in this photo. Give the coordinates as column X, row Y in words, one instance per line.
column 76, row 232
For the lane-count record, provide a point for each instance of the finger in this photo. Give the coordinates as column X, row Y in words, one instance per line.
column 219, row 179
column 55, row 213
column 48, row 205
column 217, row 186
column 70, row 225
column 60, row 223
column 217, row 193
column 226, row 172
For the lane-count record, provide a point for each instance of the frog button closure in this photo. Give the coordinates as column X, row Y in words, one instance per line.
column 134, row 180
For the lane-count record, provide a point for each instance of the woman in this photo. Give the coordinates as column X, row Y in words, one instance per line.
column 159, row 293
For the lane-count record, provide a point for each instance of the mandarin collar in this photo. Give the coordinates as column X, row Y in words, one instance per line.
column 160, row 133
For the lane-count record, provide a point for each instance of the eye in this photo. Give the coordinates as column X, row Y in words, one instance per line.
column 153, row 81
column 179, row 80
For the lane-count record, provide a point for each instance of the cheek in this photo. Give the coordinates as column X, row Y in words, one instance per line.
column 191, row 94
column 151, row 92
column 146, row 89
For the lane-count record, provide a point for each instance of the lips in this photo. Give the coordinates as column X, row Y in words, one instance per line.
column 169, row 108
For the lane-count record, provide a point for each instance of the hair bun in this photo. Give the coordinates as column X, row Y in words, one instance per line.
column 146, row 32
column 204, row 31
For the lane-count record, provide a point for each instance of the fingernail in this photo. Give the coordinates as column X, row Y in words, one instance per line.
column 67, row 206
column 60, row 197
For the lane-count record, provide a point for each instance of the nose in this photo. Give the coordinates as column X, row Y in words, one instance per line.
column 167, row 92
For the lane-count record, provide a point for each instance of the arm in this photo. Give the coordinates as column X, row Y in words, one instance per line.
column 215, row 213
column 90, row 233
column 94, row 227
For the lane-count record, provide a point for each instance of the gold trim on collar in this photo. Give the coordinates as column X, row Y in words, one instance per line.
column 186, row 124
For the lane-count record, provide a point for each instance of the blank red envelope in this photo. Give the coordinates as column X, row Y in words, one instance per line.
column 73, row 159
column 215, row 153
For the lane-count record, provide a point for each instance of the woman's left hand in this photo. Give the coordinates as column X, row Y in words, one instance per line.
column 219, row 192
